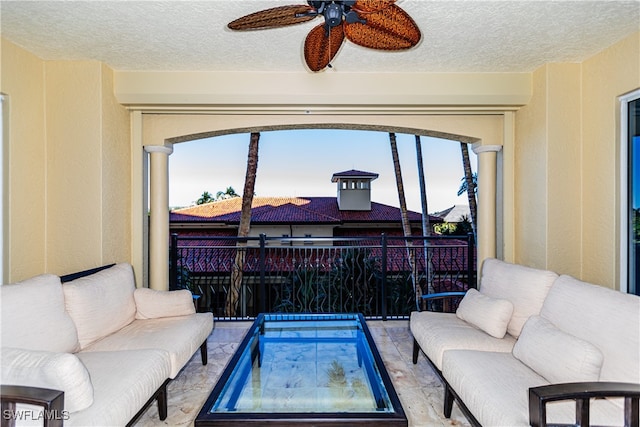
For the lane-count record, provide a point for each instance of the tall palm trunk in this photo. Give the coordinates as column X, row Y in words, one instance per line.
column 406, row 226
column 426, row 229
column 471, row 187
column 231, row 304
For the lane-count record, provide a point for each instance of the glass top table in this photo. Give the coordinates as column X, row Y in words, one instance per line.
column 305, row 368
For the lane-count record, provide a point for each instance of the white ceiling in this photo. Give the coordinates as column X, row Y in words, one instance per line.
column 457, row 36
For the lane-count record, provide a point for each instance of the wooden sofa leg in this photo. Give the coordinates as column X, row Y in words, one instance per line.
column 448, row 401
column 416, row 351
column 162, row 402
column 203, row 352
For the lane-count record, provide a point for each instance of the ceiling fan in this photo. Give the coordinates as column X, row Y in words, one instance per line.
column 376, row 24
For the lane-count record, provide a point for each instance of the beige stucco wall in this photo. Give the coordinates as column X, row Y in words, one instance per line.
column 116, row 174
column 24, row 211
column 74, row 184
column 547, row 171
column 607, row 75
column 68, row 201
column 567, row 169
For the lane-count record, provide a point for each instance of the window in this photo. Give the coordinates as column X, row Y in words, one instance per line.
column 630, row 120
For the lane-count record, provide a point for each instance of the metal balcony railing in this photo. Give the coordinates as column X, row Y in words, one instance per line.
column 375, row 276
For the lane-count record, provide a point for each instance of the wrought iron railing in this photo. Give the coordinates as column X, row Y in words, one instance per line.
column 376, row 276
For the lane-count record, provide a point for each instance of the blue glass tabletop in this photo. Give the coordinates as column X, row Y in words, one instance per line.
column 305, row 364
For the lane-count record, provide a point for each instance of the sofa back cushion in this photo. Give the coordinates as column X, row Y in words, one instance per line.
column 102, row 303
column 556, row 355
column 33, row 316
column 608, row 319
column 525, row 287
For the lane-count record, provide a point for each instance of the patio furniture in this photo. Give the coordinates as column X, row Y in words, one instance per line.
column 532, row 348
column 111, row 348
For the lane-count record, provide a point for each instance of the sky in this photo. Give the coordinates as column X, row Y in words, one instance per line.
column 301, row 162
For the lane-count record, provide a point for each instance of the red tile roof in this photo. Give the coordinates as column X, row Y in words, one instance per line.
column 290, row 210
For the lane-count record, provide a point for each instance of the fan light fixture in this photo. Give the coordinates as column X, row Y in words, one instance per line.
column 333, row 15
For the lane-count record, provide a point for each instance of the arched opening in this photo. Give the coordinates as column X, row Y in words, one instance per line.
column 301, row 163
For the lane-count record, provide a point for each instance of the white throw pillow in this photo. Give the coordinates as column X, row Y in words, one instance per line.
column 525, row 287
column 492, row 315
column 102, row 303
column 57, row 371
column 152, row 304
column 556, row 355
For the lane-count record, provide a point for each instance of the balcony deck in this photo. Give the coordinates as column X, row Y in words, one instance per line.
column 419, row 389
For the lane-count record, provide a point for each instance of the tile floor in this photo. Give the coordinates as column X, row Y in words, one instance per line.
column 419, row 389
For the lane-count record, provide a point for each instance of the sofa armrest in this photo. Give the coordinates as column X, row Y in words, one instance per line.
column 52, row 402
column 443, row 295
column 48, row 370
column 581, row 393
column 152, row 304
column 447, row 298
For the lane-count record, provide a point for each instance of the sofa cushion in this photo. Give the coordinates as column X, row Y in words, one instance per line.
column 123, row 382
column 179, row 336
column 494, row 387
column 492, row 315
column 608, row 319
column 525, row 287
column 437, row 333
column 58, row 371
column 556, row 355
column 34, row 317
column 101, row 303
column 152, row 304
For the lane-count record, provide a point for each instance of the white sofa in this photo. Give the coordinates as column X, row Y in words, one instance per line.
column 530, row 344
column 111, row 348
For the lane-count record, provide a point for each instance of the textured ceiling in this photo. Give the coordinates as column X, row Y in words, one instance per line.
column 457, row 36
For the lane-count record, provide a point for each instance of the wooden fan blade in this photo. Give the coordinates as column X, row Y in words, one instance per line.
column 368, row 6
column 319, row 49
column 390, row 28
column 271, row 18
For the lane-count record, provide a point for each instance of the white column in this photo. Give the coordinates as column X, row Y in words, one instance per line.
column 487, row 162
column 159, row 216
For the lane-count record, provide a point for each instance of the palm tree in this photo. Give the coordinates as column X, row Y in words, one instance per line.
column 426, row 229
column 464, row 186
column 229, row 193
column 423, row 189
column 406, row 227
column 469, row 185
column 205, row 198
column 245, row 224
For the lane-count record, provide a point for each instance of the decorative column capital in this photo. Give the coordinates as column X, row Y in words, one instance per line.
column 479, row 148
column 166, row 149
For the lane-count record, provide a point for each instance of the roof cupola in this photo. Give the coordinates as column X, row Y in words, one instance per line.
column 354, row 189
